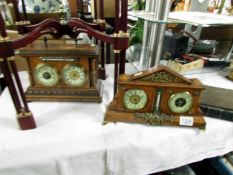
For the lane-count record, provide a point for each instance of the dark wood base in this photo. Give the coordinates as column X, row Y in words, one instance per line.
column 116, row 116
column 61, row 94
column 26, row 122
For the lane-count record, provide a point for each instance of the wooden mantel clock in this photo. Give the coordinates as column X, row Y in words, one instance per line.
column 62, row 72
column 158, row 96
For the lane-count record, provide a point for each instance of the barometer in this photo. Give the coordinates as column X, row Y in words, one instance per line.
column 62, row 72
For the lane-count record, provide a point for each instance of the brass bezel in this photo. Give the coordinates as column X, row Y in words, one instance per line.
column 76, row 65
column 135, row 90
column 174, row 96
column 49, row 65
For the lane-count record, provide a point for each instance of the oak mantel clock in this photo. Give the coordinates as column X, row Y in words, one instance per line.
column 62, row 72
column 157, row 96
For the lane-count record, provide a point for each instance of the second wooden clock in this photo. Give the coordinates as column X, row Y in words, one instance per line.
column 157, row 96
column 62, row 72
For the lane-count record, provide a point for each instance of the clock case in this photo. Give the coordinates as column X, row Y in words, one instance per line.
column 154, row 81
column 58, row 54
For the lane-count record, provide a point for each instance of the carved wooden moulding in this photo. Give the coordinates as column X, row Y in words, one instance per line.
column 62, row 72
column 158, row 96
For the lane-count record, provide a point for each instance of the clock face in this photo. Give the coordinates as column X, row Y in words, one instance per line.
column 46, row 75
column 135, row 99
column 74, row 75
column 180, row 102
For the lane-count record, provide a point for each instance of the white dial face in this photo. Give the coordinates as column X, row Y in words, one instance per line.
column 46, row 75
column 74, row 75
column 180, row 102
column 135, row 99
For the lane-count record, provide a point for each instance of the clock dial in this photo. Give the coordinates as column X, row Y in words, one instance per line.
column 74, row 75
column 180, row 102
column 46, row 75
column 135, row 99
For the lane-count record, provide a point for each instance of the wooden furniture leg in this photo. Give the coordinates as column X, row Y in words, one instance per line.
column 120, row 30
column 124, row 21
column 103, row 76
column 16, row 10
column 101, row 5
column 95, row 9
column 108, row 53
column 27, row 120
column 117, row 18
column 24, row 11
column 122, row 62
column 2, row 27
column 24, row 116
column 116, row 61
column 17, row 79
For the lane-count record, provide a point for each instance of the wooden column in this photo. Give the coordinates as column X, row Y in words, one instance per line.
column 101, row 5
column 116, row 61
column 95, row 9
column 24, row 116
column 17, row 79
column 117, row 18
column 24, row 11
column 108, row 53
column 121, row 9
column 16, row 10
column 102, row 55
column 2, row 27
column 124, row 22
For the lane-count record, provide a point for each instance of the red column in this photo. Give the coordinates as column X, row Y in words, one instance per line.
column 24, row 11
column 124, row 22
column 101, row 9
column 95, row 9
column 117, row 18
column 16, row 10
column 2, row 27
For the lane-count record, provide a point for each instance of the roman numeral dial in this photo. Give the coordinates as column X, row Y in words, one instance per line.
column 135, row 99
column 74, row 75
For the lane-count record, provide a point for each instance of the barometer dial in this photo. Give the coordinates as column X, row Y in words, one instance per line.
column 180, row 102
column 135, row 99
column 74, row 75
column 46, row 75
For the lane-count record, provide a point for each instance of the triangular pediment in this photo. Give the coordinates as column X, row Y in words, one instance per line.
column 160, row 74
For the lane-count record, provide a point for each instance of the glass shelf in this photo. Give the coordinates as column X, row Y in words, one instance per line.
column 148, row 16
column 193, row 18
column 141, row 55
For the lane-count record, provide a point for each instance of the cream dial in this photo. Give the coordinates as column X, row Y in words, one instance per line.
column 46, row 75
column 135, row 99
column 180, row 102
column 74, row 75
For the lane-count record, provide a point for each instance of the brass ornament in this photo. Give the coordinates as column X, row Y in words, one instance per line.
column 24, row 114
column 162, row 77
column 154, row 118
